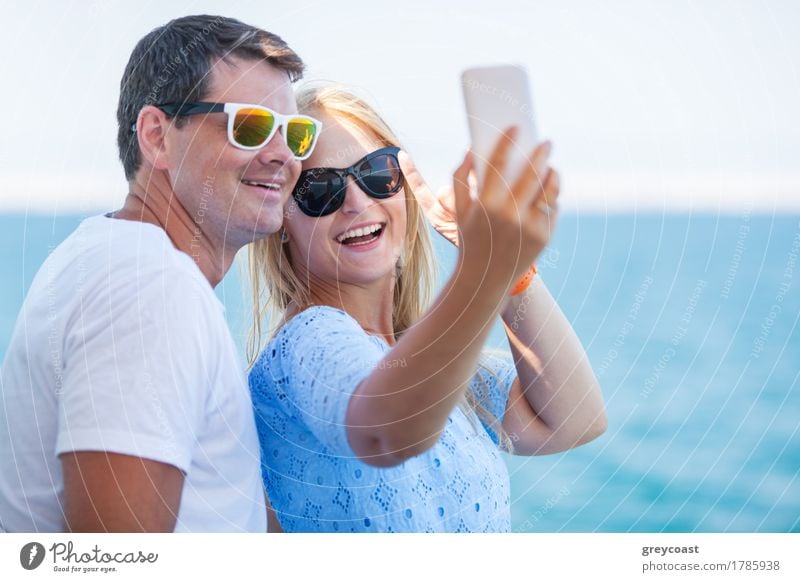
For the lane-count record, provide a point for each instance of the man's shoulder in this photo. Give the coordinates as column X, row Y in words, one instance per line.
column 108, row 265
column 123, row 240
column 123, row 248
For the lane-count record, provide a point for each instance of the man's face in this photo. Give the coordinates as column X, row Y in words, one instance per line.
column 210, row 176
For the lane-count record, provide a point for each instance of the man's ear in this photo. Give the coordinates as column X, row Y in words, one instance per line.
column 151, row 129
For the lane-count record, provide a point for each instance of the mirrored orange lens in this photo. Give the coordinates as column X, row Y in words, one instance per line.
column 300, row 136
column 252, row 127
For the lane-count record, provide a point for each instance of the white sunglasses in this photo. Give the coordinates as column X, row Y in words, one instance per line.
column 251, row 127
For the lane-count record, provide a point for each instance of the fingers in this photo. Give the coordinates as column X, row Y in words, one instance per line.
column 412, row 176
column 546, row 201
column 414, row 181
column 531, row 181
column 461, row 186
column 550, row 190
column 406, row 165
column 446, row 198
column 496, row 165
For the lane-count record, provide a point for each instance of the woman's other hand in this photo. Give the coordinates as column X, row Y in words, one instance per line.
column 439, row 208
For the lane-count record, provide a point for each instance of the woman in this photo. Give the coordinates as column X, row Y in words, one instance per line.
column 371, row 415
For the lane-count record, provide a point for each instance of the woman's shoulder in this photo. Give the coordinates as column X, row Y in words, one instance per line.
column 320, row 318
column 319, row 315
column 315, row 325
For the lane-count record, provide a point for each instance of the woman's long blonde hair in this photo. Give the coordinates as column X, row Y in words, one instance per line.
column 275, row 284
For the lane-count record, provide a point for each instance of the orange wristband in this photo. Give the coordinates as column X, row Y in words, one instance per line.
column 524, row 281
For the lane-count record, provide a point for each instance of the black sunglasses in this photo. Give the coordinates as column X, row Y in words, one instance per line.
column 321, row 191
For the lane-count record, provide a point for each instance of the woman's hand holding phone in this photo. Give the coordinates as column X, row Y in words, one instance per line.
column 505, row 225
column 439, row 207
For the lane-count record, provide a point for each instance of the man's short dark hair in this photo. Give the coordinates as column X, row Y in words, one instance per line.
column 172, row 64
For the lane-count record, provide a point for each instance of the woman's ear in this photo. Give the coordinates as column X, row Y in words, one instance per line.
column 151, row 130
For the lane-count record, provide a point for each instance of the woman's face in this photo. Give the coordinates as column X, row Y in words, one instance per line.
column 329, row 247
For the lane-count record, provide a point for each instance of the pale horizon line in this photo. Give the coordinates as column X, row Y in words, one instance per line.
column 647, row 191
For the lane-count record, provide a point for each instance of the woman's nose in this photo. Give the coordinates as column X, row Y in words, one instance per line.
column 355, row 201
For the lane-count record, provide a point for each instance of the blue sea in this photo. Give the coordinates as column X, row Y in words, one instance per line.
column 691, row 324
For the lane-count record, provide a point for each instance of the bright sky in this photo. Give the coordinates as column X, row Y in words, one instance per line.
column 651, row 105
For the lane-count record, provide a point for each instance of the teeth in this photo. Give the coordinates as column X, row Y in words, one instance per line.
column 358, row 232
column 269, row 185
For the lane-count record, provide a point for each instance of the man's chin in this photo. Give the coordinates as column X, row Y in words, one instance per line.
column 266, row 228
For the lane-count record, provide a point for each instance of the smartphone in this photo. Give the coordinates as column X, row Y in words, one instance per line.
column 497, row 98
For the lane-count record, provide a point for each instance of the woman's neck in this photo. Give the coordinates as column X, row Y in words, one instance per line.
column 370, row 305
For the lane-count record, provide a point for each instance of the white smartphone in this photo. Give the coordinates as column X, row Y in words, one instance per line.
column 497, row 98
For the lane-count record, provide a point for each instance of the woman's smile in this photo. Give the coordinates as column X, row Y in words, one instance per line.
column 362, row 237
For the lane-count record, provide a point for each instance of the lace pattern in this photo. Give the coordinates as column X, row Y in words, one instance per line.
column 301, row 386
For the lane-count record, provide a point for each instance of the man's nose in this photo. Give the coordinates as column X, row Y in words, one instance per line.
column 276, row 151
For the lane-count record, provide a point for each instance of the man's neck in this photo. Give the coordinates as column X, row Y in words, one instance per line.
column 157, row 204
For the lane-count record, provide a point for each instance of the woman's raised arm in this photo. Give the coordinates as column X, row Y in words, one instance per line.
column 398, row 412
column 555, row 403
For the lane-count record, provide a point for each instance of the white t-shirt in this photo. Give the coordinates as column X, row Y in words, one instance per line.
column 122, row 346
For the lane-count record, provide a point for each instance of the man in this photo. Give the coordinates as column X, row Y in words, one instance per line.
column 124, row 406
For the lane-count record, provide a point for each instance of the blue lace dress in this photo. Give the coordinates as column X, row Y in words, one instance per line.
column 301, row 386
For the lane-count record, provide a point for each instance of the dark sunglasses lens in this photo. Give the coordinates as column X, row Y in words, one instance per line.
column 381, row 175
column 319, row 193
